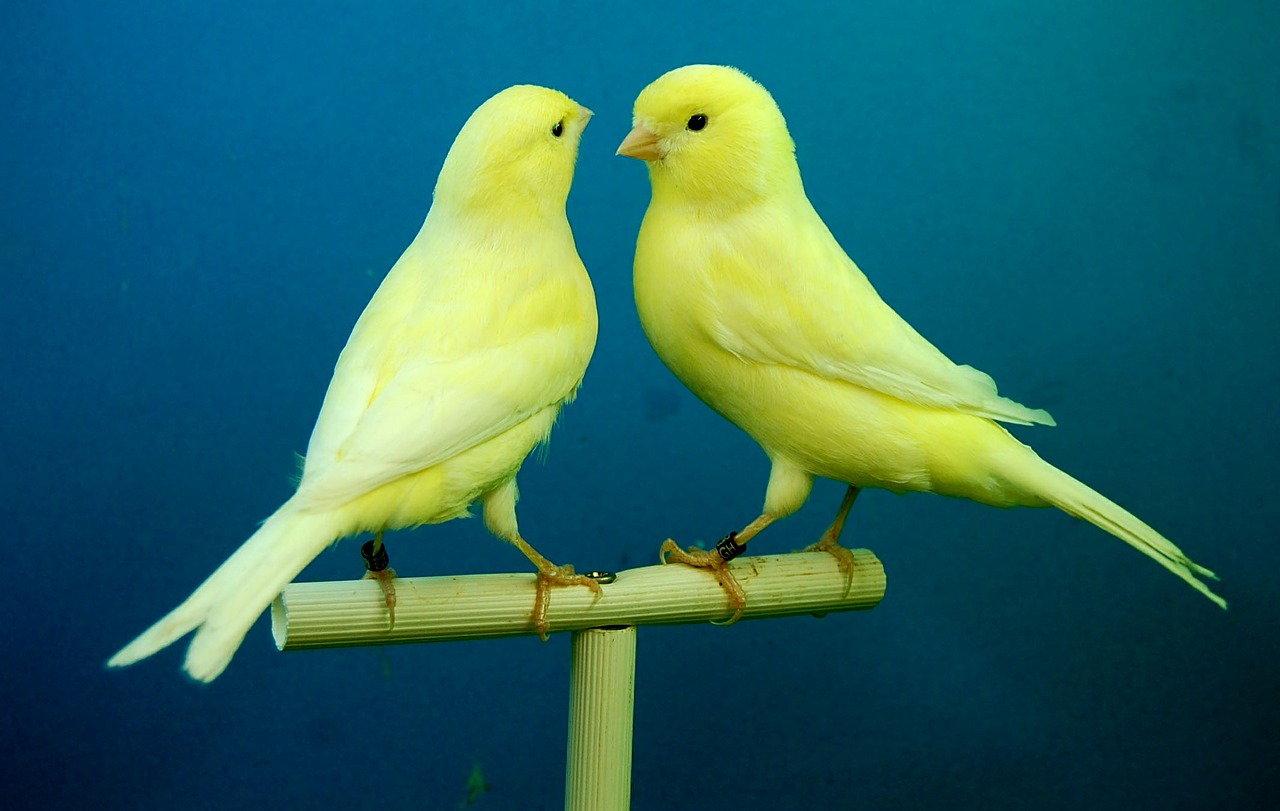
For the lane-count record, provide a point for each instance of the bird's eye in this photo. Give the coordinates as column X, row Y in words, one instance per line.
column 557, row 129
column 697, row 122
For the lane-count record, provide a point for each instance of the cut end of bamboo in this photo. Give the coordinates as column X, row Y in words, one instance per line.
column 437, row 609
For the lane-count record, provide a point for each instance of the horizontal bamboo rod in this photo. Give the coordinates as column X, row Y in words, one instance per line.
column 485, row 606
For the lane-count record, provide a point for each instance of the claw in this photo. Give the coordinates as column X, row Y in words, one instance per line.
column 830, row 541
column 556, row 576
column 668, row 546
column 670, row 551
column 844, row 558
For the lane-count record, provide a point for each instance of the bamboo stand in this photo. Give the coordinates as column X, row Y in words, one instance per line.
column 602, row 675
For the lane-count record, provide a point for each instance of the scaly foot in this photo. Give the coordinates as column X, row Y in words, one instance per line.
column 830, row 541
column 842, row 555
column 550, row 576
column 376, row 563
column 386, row 579
column 718, row 566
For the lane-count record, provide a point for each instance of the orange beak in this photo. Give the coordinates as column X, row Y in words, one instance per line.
column 641, row 144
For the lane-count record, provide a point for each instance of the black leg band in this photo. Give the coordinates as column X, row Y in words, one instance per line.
column 729, row 548
column 374, row 561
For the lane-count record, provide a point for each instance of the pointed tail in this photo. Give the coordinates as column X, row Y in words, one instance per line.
column 1074, row 497
column 223, row 609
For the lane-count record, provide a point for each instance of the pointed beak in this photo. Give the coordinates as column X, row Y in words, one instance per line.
column 641, row 144
column 585, row 115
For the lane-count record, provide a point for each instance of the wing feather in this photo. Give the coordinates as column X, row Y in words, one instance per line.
column 432, row 371
column 836, row 326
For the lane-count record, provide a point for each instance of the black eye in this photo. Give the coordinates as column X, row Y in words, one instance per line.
column 697, row 121
column 557, row 129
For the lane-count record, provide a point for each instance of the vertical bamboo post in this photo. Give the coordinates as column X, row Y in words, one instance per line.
column 602, row 679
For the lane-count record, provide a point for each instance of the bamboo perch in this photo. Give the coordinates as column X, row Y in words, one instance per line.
column 485, row 606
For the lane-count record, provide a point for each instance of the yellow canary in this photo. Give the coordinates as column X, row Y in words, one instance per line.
column 455, row 371
column 748, row 298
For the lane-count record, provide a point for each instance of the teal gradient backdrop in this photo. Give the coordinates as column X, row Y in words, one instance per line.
column 1082, row 199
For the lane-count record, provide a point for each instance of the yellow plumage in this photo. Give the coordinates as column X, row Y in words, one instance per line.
column 455, row 371
column 751, row 302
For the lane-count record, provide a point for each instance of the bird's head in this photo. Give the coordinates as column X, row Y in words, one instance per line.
column 518, row 149
column 711, row 136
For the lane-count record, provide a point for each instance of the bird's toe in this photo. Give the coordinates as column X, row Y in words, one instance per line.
column 557, row 576
column 843, row 556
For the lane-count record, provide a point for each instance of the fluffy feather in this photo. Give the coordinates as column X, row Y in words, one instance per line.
column 748, row 298
column 455, row 371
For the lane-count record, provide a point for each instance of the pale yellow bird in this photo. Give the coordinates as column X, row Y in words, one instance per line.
column 748, row 298
column 455, row 371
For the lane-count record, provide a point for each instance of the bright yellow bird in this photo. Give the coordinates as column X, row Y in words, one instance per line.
column 455, row 371
column 751, row 302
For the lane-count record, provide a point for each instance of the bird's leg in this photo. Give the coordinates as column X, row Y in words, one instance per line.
column 375, row 561
column 732, row 545
column 830, row 540
column 550, row 575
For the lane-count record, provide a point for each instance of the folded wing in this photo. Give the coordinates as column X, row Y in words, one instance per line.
column 823, row 316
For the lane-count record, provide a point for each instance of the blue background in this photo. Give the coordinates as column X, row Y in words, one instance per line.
column 1082, row 199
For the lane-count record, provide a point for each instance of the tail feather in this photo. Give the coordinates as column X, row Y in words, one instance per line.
column 1078, row 499
column 223, row 609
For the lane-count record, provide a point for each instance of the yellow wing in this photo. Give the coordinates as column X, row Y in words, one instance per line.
column 419, row 382
column 788, row 294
